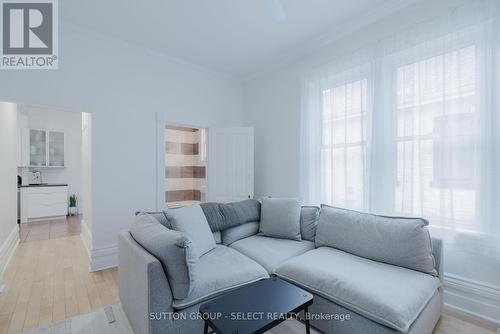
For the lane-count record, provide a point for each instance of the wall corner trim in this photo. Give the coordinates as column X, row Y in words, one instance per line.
column 7, row 250
column 104, row 258
column 86, row 237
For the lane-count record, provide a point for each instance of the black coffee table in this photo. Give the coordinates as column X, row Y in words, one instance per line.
column 256, row 307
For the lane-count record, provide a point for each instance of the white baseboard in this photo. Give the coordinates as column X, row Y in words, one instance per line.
column 473, row 298
column 41, row 219
column 104, row 258
column 86, row 236
column 7, row 250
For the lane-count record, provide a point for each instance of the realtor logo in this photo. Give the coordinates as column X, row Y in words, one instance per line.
column 29, row 34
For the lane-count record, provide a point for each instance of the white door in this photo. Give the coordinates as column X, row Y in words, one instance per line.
column 230, row 164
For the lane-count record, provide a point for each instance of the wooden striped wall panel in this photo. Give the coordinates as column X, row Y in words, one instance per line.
column 182, row 195
column 197, row 172
column 185, row 172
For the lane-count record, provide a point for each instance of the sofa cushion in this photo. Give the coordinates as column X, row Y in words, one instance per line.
column 219, row 271
column 172, row 248
column 280, row 218
column 221, row 216
column 271, row 252
column 390, row 295
column 217, row 237
column 309, row 217
column 213, row 214
column 236, row 233
column 191, row 221
column 404, row 242
column 241, row 212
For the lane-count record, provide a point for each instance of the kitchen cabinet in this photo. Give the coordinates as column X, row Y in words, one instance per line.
column 42, row 202
column 56, row 149
column 38, row 147
column 46, row 148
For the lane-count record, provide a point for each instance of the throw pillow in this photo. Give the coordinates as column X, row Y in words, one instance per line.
column 280, row 218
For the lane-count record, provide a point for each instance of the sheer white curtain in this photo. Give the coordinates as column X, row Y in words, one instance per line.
column 335, row 141
column 407, row 126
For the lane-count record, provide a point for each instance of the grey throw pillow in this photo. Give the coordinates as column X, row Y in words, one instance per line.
column 159, row 216
column 192, row 221
column 172, row 248
column 280, row 218
column 400, row 241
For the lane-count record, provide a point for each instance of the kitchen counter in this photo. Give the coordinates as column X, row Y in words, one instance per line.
column 43, row 185
column 39, row 201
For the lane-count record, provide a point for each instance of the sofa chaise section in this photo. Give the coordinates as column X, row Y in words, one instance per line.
column 388, row 295
column 384, row 269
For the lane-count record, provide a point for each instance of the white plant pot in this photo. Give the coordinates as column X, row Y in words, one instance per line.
column 72, row 210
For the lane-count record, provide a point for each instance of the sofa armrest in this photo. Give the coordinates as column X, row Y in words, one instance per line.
column 437, row 251
column 143, row 287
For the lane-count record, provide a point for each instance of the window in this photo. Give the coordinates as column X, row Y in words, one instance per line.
column 436, row 139
column 408, row 126
column 343, row 147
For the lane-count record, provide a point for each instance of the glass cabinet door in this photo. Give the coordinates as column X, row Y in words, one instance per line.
column 56, row 148
column 38, row 148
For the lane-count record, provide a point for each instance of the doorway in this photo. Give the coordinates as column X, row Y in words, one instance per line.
column 185, row 165
column 53, row 172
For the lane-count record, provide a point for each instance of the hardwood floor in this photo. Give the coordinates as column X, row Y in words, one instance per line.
column 50, row 229
column 452, row 323
column 48, row 281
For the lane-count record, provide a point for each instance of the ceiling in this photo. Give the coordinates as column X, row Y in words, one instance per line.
column 233, row 36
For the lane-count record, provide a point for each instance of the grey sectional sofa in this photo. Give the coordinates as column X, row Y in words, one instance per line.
column 368, row 273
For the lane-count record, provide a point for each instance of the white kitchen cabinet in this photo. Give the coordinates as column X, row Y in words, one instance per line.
column 45, row 148
column 42, row 202
column 56, row 149
column 38, row 148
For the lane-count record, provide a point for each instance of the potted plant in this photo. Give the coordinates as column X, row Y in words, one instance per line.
column 73, row 211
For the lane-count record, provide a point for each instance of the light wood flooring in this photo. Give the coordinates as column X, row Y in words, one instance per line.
column 48, row 281
column 108, row 320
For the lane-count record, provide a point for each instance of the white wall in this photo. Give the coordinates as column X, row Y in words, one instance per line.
column 71, row 123
column 272, row 103
column 8, row 183
column 122, row 86
column 273, row 109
